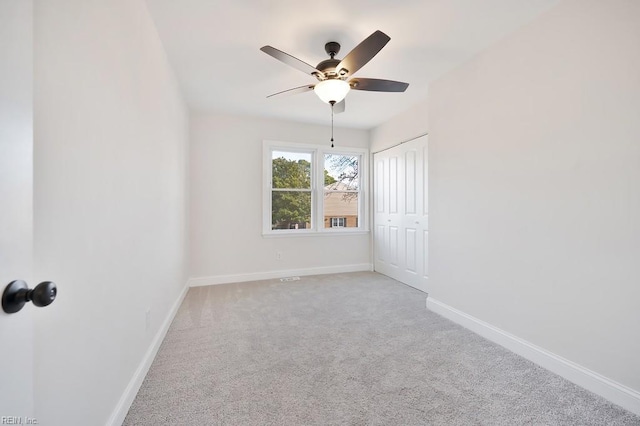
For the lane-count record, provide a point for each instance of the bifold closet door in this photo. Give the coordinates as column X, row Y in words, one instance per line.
column 401, row 213
column 16, row 216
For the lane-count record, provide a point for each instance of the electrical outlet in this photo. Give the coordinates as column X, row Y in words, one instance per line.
column 147, row 319
column 278, row 255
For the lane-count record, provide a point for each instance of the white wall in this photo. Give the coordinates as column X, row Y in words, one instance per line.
column 534, row 184
column 401, row 128
column 226, row 202
column 111, row 142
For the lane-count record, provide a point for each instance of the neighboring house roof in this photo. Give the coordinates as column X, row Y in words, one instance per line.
column 341, row 186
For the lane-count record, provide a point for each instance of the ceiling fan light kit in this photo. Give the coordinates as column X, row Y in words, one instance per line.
column 334, row 75
column 333, row 90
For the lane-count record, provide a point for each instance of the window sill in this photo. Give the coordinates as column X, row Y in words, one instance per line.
column 314, row 234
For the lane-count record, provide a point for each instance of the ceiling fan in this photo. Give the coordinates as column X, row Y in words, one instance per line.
column 335, row 75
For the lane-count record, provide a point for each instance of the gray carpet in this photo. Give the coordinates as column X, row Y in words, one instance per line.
column 347, row 349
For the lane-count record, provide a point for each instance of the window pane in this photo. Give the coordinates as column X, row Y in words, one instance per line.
column 291, row 170
column 341, row 172
column 340, row 209
column 290, row 210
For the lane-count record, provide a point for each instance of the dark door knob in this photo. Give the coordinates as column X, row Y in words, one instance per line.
column 17, row 294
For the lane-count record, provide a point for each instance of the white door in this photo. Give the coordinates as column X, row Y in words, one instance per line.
column 401, row 213
column 16, row 190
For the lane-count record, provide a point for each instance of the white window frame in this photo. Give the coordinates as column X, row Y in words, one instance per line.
column 317, row 189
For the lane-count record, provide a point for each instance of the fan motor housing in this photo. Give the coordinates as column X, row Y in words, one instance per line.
column 328, row 68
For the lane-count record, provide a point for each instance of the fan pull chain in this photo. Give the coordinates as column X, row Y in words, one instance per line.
column 332, row 104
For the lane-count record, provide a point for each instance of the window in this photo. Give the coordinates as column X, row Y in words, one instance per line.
column 341, row 193
column 311, row 189
column 290, row 190
column 338, row 222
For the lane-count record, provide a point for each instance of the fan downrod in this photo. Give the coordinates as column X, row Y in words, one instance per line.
column 332, row 48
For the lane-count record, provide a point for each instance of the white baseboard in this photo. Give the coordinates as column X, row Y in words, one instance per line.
column 257, row 276
column 122, row 408
column 581, row 376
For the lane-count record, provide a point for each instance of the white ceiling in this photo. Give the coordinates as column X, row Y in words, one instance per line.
column 213, row 46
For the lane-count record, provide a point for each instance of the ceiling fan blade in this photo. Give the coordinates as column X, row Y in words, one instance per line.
column 363, row 53
column 339, row 107
column 291, row 60
column 378, row 85
column 294, row 91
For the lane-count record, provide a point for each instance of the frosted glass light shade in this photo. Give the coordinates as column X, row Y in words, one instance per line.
column 332, row 90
